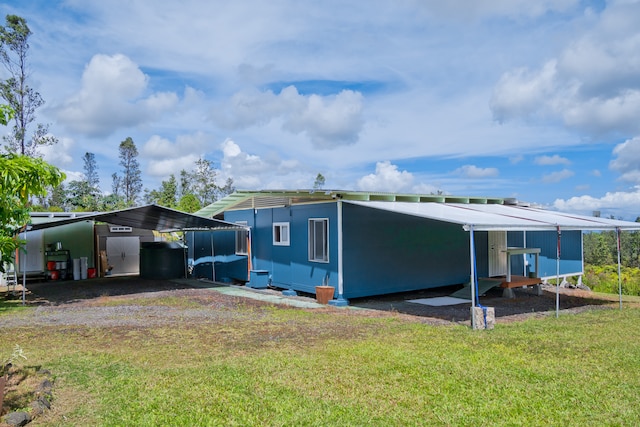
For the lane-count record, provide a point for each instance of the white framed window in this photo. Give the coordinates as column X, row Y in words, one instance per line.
column 281, row 234
column 319, row 239
column 242, row 240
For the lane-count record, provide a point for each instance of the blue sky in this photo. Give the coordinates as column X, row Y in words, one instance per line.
column 536, row 100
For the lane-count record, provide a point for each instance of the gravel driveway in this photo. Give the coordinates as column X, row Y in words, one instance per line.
column 120, row 301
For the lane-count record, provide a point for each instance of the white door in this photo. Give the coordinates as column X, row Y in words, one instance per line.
column 33, row 260
column 123, row 253
column 497, row 256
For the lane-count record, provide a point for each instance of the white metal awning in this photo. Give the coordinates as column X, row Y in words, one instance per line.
column 485, row 217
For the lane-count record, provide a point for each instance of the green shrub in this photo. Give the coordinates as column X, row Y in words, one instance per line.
column 605, row 279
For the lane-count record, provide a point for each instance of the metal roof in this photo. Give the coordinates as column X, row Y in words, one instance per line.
column 484, row 217
column 150, row 217
column 262, row 199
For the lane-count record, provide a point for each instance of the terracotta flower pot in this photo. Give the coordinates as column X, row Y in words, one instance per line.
column 324, row 294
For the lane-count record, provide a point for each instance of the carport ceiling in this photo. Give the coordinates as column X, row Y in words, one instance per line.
column 150, row 217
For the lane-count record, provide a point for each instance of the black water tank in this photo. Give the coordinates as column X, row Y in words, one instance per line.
column 162, row 260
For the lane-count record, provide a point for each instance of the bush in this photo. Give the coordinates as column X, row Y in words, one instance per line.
column 605, row 279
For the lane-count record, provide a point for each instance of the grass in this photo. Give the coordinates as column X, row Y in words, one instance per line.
column 293, row 367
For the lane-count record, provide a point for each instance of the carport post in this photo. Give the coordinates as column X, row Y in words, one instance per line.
column 558, row 274
column 472, row 258
column 619, row 273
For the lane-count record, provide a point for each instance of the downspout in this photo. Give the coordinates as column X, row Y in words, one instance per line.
column 340, row 302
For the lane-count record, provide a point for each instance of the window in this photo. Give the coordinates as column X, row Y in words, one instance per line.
column 281, row 233
column 242, row 237
column 319, row 240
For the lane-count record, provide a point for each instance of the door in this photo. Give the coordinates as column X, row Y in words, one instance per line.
column 497, row 256
column 123, row 253
column 33, row 260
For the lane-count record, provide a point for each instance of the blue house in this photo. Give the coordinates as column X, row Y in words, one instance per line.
column 366, row 244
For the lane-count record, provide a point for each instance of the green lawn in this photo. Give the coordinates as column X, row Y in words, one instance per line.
column 285, row 367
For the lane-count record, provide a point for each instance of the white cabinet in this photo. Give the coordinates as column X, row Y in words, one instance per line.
column 123, row 254
column 497, row 255
column 33, row 260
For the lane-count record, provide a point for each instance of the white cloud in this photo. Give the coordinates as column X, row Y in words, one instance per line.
column 58, row 154
column 627, row 162
column 592, row 85
column 613, row 202
column 474, row 172
column 551, row 160
column 112, row 96
column 250, row 171
column 558, row 176
column 166, row 157
column 328, row 121
column 386, row 178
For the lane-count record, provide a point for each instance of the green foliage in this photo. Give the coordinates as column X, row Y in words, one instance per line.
column 195, row 190
column 167, row 196
column 189, row 203
column 601, row 248
column 319, row 182
column 21, row 177
column 604, row 278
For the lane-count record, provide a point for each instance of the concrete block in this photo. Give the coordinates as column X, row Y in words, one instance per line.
column 479, row 315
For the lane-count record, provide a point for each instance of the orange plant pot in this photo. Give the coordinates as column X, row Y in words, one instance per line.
column 324, row 294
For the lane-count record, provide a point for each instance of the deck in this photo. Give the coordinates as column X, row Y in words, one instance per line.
column 519, row 281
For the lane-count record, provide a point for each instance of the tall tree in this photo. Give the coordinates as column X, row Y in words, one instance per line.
column 15, row 90
column 91, row 170
column 203, row 181
column 130, row 183
column 84, row 194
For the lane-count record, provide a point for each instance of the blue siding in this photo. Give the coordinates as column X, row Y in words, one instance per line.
column 289, row 266
column 228, row 265
column 570, row 253
column 386, row 252
column 515, row 239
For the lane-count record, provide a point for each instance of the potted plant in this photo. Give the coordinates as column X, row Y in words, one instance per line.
column 5, row 366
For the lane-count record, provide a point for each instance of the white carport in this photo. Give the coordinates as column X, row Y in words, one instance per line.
column 499, row 217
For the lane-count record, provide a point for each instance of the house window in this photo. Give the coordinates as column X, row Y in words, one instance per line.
column 319, row 240
column 242, row 238
column 281, row 233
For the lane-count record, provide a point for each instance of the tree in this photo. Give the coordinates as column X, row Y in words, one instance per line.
column 91, row 170
column 84, row 194
column 129, row 185
column 167, row 196
column 21, row 177
column 24, row 100
column 319, row 182
column 189, row 203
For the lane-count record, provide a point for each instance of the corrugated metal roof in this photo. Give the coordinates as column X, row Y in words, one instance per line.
column 150, row 217
column 274, row 198
column 484, row 213
column 500, row 217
